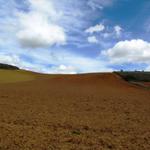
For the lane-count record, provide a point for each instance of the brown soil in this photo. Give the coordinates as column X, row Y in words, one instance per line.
column 74, row 112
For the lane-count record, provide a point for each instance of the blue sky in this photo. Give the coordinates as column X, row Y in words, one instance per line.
column 75, row 36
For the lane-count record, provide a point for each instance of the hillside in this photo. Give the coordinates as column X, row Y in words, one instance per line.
column 8, row 67
column 73, row 112
column 12, row 76
column 135, row 76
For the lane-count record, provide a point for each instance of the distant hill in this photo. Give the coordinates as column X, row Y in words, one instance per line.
column 135, row 76
column 8, row 67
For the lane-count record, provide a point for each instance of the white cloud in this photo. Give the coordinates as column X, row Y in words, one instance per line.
column 99, row 4
column 63, row 69
column 37, row 27
column 113, row 32
column 92, row 39
column 94, row 5
column 96, row 28
column 43, row 6
column 9, row 59
column 133, row 51
column 118, row 30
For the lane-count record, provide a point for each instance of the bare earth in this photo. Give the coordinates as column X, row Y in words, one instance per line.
column 74, row 112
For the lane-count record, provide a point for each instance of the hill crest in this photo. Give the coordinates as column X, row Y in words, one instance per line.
column 8, row 67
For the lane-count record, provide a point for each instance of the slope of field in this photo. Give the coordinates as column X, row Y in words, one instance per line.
column 10, row 76
column 74, row 112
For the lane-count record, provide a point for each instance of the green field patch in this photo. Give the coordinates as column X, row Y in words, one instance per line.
column 12, row 76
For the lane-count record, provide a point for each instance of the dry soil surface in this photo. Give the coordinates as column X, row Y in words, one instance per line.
column 74, row 112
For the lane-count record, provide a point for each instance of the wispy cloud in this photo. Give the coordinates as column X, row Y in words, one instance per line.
column 99, row 4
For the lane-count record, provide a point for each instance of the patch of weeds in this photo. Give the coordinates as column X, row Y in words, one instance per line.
column 76, row 132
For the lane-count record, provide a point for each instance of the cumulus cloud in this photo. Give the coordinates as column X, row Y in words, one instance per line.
column 38, row 27
column 96, row 28
column 133, row 51
column 92, row 39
